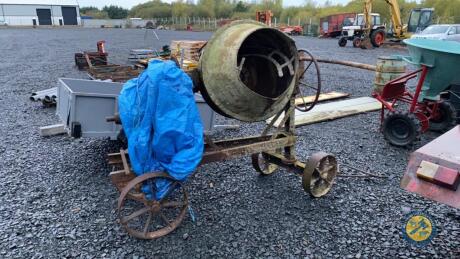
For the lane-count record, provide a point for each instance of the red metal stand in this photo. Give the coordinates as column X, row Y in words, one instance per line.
column 396, row 91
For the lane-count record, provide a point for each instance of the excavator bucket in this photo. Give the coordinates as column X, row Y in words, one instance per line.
column 366, row 43
column 434, row 170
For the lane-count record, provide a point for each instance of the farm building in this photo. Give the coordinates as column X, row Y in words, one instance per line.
column 331, row 26
column 39, row 12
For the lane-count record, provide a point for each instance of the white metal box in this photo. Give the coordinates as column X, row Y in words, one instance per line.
column 88, row 103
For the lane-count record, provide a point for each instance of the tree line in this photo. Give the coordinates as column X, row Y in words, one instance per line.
column 445, row 11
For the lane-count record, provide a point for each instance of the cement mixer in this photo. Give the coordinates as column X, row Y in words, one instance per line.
column 249, row 72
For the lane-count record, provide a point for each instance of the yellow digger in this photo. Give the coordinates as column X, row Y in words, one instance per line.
column 372, row 35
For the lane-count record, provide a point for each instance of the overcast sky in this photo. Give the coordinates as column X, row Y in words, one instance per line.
column 131, row 3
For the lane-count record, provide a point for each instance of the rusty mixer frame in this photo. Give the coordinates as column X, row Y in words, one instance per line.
column 268, row 152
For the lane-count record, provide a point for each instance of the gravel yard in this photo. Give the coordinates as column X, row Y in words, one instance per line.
column 56, row 199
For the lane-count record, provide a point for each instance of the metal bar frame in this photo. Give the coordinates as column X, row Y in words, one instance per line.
column 418, row 89
column 279, row 147
column 407, row 97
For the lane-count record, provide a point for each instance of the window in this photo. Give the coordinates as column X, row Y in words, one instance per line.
column 435, row 29
column 425, row 19
column 360, row 20
column 414, row 18
column 348, row 22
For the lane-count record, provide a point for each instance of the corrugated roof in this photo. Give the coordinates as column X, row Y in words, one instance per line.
column 40, row 2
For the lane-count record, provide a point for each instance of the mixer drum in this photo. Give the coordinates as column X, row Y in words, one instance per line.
column 248, row 71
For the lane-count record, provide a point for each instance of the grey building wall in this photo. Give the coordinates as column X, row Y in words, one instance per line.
column 17, row 14
column 31, row 10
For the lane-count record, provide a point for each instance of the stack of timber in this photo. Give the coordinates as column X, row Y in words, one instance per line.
column 188, row 48
column 138, row 54
column 114, row 73
column 48, row 97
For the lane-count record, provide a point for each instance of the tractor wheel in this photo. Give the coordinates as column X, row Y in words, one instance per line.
column 445, row 117
column 377, row 38
column 401, row 129
column 357, row 42
column 343, row 42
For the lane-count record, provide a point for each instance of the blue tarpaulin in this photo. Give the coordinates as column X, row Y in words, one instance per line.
column 162, row 124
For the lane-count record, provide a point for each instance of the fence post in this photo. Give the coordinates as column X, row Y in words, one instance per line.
column 289, row 21
column 275, row 22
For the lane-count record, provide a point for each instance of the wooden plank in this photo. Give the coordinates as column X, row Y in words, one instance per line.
column 121, row 177
column 52, row 130
column 88, row 60
column 322, row 97
column 334, row 110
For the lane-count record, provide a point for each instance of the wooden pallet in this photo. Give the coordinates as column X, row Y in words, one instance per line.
column 191, row 49
column 116, row 73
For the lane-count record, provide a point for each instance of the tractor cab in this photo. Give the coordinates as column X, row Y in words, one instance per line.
column 357, row 27
column 359, row 20
column 419, row 19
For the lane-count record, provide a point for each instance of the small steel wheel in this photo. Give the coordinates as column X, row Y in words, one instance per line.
column 308, row 81
column 261, row 165
column 149, row 218
column 319, row 174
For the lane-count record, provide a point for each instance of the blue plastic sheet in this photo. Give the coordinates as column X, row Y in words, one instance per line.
column 162, row 123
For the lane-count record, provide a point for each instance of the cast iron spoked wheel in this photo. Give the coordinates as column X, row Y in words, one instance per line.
column 150, row 219
column 357, row 42
column 308, row 80
column 343, row 42
column 261, row 165
column 320, row 172
column 445, row 117
column 401, row 129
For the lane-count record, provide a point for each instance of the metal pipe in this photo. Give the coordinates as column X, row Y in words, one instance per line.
column 343, row 63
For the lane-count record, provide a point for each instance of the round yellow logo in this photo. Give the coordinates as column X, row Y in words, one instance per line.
column 419, row 229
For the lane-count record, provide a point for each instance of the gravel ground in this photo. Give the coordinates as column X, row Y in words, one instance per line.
column 56, row 199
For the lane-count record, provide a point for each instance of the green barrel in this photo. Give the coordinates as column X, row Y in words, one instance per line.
column 387, row 69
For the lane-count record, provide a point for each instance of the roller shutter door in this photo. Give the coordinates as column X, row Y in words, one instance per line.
column 44, row 16
column 70, row 15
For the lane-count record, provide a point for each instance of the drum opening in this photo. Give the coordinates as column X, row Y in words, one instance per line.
column 266, row 62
